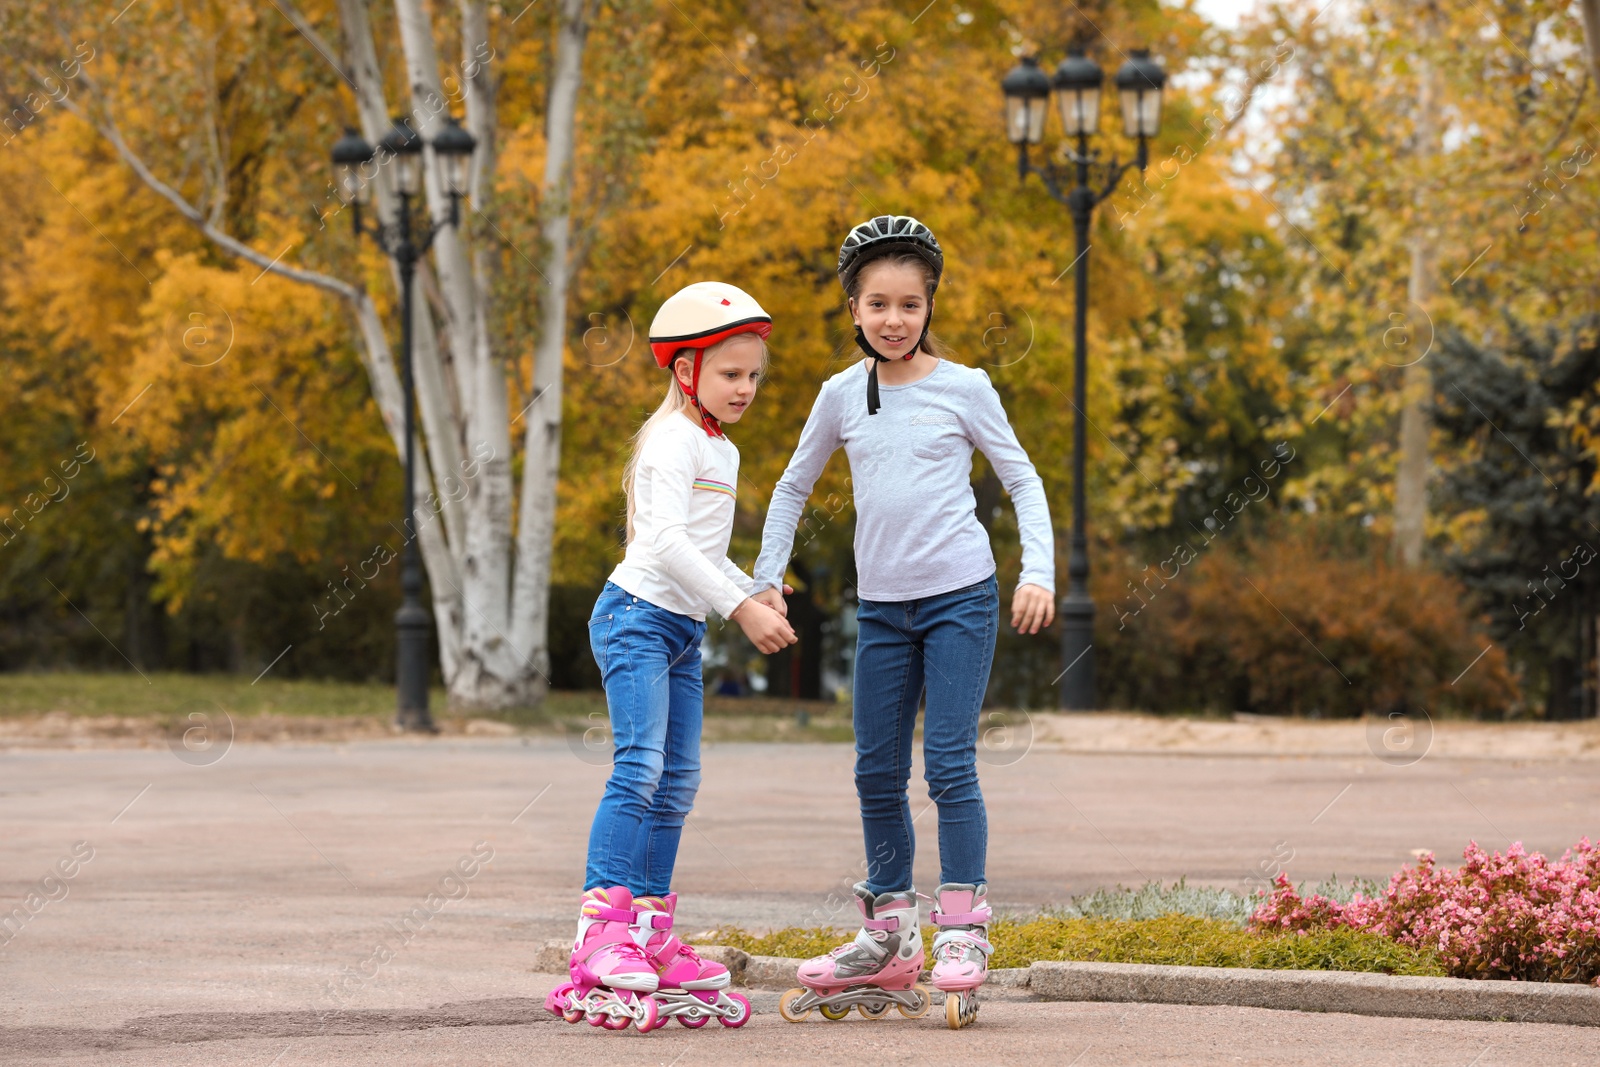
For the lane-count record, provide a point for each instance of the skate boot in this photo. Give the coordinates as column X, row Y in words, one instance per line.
column 961, row 949
column 611, row 978
column 876, row 971
column 689, row 988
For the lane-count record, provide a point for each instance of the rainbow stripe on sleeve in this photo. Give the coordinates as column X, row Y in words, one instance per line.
column 715, row 487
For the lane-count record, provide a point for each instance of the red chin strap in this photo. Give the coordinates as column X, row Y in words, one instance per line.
column 713, row 428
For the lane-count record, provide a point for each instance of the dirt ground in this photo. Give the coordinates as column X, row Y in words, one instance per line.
column 1010, row 731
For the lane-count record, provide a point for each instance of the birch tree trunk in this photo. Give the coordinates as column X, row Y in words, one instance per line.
column 438, row 415
column 1591, row 36
column 491, row 611
column 1411, row 480
column 488, row 664
column 542, row 438
column 492, row 675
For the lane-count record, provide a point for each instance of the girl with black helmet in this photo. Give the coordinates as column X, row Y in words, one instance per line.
column 645, row 632
column 927, row 616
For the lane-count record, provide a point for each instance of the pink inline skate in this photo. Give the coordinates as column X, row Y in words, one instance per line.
column 961, row 949
column 611, row 978
column 690, row 989
column 876, row 971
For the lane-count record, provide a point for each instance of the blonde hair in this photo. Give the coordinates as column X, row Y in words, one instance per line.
column 931, row 344
column 675, row 402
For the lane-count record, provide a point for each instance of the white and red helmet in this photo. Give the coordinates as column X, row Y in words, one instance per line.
column 697, row 317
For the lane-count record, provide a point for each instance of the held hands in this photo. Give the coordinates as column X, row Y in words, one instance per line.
column 1032, row 609
column 766, row 628
column 774, row 599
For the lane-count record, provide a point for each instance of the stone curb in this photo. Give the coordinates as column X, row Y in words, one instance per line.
column 553, row 957
column 1321, row 991
column 771, row 972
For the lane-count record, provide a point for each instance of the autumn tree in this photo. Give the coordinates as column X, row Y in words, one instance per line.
column 194, row 82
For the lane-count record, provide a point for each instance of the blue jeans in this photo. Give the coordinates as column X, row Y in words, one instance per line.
column 649, row 660
column 943, row 645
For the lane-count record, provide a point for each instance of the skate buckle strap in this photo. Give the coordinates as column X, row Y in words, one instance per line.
column 955, row 941
column 669, row 948
column 881, row 924
column 600, row 911
column 963, row 918
column 655, row 920
column 865, row 942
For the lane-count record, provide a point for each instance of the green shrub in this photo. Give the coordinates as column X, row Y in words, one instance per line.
column 799, row 942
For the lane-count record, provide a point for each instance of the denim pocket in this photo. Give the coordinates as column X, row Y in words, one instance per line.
column 599, row 635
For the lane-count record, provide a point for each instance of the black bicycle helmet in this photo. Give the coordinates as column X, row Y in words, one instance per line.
column 887, row 235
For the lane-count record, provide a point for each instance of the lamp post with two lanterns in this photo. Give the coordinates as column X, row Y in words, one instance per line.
column 1077, row 85
column 406, row 244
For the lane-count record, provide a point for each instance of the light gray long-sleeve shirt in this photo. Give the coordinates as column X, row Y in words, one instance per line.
column 917, row 530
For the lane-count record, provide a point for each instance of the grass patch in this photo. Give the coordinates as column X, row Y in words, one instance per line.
column 169, row 694
column 1185, row 940
column 1154, row 900
column 1191, row 941
column 167, row 699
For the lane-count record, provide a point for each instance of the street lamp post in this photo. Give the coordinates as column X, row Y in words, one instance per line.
column 1077, row 85
column 351, row 156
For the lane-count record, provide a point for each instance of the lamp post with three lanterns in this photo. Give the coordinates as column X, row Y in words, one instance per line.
column 1077, row 85
column 406, row 244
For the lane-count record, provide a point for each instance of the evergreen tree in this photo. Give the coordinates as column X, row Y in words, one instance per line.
column 1513, row 412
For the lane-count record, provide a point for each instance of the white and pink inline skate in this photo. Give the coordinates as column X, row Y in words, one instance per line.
column 690, row 989
column 961, row 949
column 612, row 979
column 875, row 972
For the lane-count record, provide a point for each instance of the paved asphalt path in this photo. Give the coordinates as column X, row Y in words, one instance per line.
column 304, row 904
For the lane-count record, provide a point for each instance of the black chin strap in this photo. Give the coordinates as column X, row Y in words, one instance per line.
column 872, row 371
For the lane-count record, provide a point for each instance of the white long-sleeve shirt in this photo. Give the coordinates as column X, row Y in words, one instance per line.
column 917, row 531
column 684, row 490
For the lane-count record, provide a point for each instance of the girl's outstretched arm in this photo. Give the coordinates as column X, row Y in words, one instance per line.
column 991, row 431
column 818, row 441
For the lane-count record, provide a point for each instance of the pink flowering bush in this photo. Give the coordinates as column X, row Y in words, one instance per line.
column 1515, row 916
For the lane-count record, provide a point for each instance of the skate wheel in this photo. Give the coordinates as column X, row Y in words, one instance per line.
column 573, row 1015
column 649, row 1016
column 960, row 1009
column 924, row 1002
column 741, row 1011
column 873, row 1011
column 595, row 1018
column 788, row 1013
column 694, row 1022
column 829, row 1011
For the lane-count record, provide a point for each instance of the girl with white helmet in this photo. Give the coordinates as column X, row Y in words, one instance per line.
column 908, row 418
column 645, row 632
